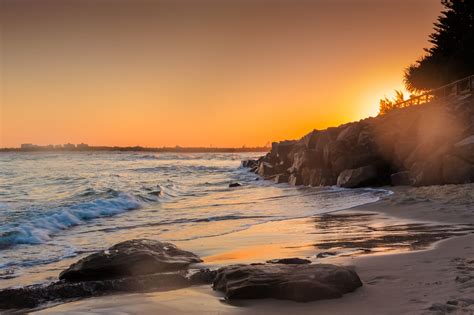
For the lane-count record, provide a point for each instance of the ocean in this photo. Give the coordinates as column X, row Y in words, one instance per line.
column 59, row 206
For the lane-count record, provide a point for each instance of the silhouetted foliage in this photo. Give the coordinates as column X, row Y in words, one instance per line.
column 452, row 55
column 387, row 104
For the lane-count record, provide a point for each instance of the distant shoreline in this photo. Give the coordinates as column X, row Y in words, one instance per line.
column 140, row 149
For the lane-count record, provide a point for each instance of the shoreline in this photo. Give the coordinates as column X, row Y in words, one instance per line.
column 440, row 277
column 404, row 283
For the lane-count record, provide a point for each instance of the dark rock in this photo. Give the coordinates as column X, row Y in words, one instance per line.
column 281, row 149
column 350, row 133
column 442, row 308
column 336, row 155
column 314, row 159
column 129, row 258
column 325, row 254
column 234, row 185
column 282, row 178
column 35, row 295
column 295, row 180
column 311, row 139
column 322, row 177
column 365, row 139
column 249, row 163
column 301, row 283
column 357, row 177
column 402, row 151
column 289, row 261
column 401, row 179
column 324, row 138
column 307, row 175
column 266, row 169
column 300, row 159
column 465, row 149
column 203, row 276
column 427, row 172
column 456, row 170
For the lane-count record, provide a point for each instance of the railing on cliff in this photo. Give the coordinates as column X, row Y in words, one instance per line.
column 456, row 88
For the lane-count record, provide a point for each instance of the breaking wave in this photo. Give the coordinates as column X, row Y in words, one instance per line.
column 39, row 229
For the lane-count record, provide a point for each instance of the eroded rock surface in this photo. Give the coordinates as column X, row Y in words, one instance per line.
column 130, row 258
column 301, row 283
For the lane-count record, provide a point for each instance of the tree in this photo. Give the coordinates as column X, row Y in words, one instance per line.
column 451, row 56
column 387, row 105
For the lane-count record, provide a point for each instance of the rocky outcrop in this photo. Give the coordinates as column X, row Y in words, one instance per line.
column 130, row 258
column 297, row 282
column 420, row 145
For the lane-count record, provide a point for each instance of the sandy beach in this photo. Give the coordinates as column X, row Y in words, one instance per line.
column 436, row 278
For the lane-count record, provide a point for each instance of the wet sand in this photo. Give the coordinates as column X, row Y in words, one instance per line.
column 377, row 239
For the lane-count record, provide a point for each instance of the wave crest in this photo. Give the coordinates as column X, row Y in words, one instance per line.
column 40, row 229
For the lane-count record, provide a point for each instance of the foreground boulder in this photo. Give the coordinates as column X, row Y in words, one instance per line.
column 297, row 282
column 139, row 265
column 130, row 258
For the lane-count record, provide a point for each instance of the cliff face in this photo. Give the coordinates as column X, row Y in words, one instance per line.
column 421, row 145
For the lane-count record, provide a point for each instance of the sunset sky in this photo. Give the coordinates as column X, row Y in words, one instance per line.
column 199, row 73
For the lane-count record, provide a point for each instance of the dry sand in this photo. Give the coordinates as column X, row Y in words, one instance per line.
column 437, row 280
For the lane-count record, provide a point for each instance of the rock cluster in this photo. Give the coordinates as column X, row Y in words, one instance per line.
column 146, row 265
column 420, row 145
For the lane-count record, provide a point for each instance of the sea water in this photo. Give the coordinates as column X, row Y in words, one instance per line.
column 56, row 206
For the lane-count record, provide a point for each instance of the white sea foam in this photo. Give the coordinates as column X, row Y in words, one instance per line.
column 40, row 229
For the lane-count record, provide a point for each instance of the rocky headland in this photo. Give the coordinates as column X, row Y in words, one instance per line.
column 429, row 144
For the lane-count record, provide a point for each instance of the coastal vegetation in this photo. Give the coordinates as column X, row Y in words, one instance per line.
column 450, row 58
column 387, row 104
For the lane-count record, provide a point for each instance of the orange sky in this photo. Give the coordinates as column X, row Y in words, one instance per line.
column 199, row 73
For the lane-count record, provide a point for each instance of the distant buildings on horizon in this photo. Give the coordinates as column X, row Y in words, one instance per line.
column 67, row 146
column 85, row 147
